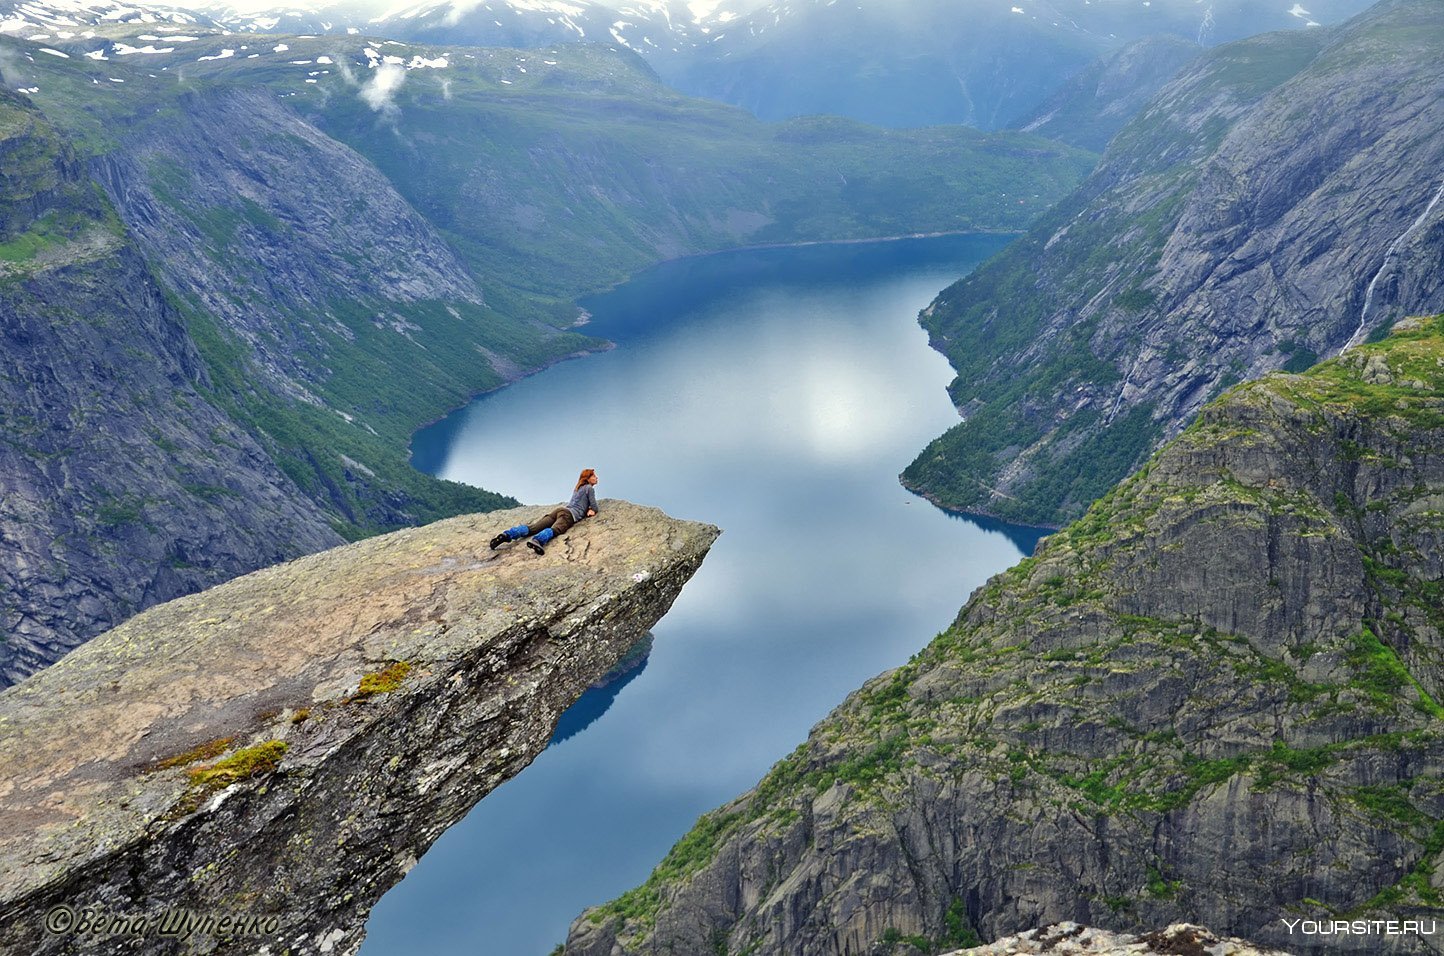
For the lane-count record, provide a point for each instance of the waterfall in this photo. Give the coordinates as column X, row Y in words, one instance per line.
column 1358, row 335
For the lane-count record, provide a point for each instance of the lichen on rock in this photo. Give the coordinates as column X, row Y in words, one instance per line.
column 1071, row 939
column 288, row 743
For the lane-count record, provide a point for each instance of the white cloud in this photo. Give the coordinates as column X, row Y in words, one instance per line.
column 379, row 93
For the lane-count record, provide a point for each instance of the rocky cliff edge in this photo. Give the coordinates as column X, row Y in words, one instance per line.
column 280, row 749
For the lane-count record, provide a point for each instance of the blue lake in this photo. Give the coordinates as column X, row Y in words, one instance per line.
column 776, row 394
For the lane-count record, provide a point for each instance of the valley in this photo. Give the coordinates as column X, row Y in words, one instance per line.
column 295, row 304
column 337, row 286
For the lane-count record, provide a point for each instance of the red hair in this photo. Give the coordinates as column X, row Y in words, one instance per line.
column 587, row 473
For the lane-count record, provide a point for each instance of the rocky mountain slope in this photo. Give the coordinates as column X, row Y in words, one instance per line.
column 1275, row 201
column 1216, row 698
column 121, row 483
column 292, row 252
column 152, row 448
column 284, row 746
column 1099, row 100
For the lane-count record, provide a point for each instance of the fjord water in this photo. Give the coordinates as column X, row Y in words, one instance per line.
column 776, row 394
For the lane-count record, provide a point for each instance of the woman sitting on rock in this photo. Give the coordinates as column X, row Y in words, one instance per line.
column 558, row 520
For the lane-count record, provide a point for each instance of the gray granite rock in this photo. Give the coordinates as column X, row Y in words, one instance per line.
column 122, row 482
column 1071, row 939
column 286, row 745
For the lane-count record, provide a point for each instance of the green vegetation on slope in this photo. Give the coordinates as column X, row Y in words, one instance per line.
column 1032, row 375
column 586, row 169
column 354, row 473
column 1090, row 681
column 42, row 209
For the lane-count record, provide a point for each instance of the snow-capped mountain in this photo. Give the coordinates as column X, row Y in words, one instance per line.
column 987, row 63
column 984, row 62
column 653, row 28
column 66, row 16
column 304, row 19
column 896, row 62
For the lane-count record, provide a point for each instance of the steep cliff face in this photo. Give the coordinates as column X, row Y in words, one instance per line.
column 121, row 484
column 271, row 226
column 1279, row 198
column 1098, row 101
column 283, row 747
column 1215, row 698
column 334, row 318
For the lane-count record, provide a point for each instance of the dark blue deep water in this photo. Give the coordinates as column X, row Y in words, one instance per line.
column 776, row 394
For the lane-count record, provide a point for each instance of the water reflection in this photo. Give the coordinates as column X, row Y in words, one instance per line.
column 594, row 703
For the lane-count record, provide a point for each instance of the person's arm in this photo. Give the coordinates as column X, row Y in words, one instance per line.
column 591, row 501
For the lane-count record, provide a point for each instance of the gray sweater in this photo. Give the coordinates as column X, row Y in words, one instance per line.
column 583, row 499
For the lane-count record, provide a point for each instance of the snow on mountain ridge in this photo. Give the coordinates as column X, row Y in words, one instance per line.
column 671, row 21
column 55, row 14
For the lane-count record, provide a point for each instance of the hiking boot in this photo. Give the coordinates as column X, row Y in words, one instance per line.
column 499, row 540
column 535, row 546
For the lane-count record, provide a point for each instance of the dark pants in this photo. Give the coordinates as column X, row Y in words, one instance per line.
column 558, row 519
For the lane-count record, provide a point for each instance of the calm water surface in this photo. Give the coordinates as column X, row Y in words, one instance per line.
column 776, row 394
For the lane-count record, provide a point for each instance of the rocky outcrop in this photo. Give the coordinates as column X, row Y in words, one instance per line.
column 282, row 748
column 1070, row 939
column 1276, row 200
column 1215, row 698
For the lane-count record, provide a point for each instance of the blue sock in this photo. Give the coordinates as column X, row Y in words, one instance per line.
column 518, row 532
column 545, row 535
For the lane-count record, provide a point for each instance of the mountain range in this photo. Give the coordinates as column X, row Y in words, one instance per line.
column 986, row 63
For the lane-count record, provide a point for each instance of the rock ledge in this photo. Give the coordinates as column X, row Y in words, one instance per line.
column 287, row 744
